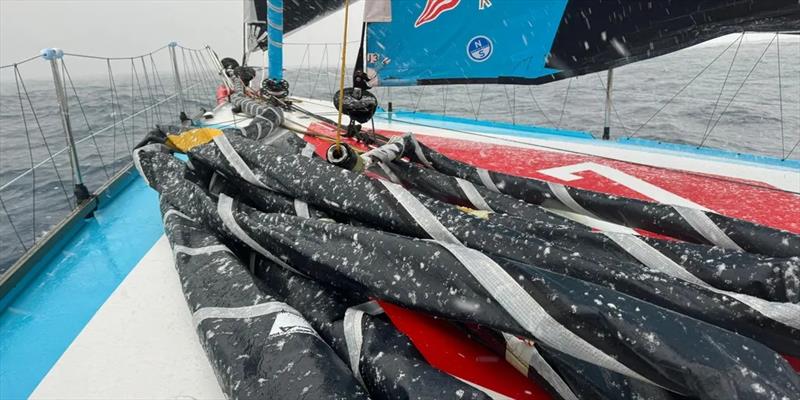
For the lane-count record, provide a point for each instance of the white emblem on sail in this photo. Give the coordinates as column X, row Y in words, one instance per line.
column 288, row 323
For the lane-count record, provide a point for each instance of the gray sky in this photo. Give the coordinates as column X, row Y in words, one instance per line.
column 119, row 28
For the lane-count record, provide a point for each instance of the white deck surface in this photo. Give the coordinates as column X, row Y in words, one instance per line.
column 141, row 344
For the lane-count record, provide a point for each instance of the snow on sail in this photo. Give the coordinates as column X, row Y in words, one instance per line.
column 501, row 279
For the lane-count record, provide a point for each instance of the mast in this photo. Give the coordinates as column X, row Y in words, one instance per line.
column 275, row 34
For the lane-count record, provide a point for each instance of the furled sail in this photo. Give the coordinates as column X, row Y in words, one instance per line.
column 296, row 13
column 418, row 42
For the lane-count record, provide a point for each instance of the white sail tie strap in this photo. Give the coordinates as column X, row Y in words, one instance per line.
column 271, row 124
column 473, row 195
column 138, row 163
column 421, row 215
column 194, row 251
column 237, row 162
column 562, row 194
column 300, row 206
column 389, row 173
column 486, row 180
column 706, row 227
column 245, row 312
column 385, row 153
column 258, row 128
column 785, row 313
column 418, row 151
column 529, row 314
column 176, row 213
column 353, row 333
column 273, row 138
column 225, row 211
column 523, row 356
column 308, row 150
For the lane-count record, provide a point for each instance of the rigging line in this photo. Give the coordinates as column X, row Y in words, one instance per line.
column 780, row 93
column 160, row 84
column 300, row 65
column 135, row 73
column 471, row 104
column 480, row 100
column 678, row 93
column 722, row 88
column 536, row 103
column 115, row 95
column 319, row 73
column 85, row 118
column 419, row 99
column 44, row 139
column 150, row 91
column 113, row 112
column 20, row 62
column 133, row 110
column 564, row 106
column 444, row 101
column 613, row 107
column 508, row 101
column 206, row 73
column 13, row 226
column 115, row 58
column 30, row 154
column 791, row 151
column 698, row 174
column 514, row 102
column 755, row 65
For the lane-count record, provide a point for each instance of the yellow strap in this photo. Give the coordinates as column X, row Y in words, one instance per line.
column 476, row 213
column 192, row 138
column 341, row 77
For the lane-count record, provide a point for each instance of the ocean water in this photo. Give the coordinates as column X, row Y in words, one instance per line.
column 735, row 104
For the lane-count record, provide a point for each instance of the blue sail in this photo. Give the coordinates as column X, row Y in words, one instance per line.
column 440, row 40
column 417, row 42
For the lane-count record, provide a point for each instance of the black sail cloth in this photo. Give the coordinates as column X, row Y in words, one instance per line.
column 769, row 278
column 566, row 377
column 340, row 192
column 370, row 264
column 587, row 321
column 390, row 367
column 678, row 222
column 385, row 360
column 258, row 347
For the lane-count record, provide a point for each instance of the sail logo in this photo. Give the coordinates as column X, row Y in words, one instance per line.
column 433, row 9
column 479, row 48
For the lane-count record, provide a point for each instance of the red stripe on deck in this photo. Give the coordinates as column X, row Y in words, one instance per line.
column 729, row 196
column 447, row 348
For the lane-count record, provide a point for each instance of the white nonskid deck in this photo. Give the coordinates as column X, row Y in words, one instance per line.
column 141, row 344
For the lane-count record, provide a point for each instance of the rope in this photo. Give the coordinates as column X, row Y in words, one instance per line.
column 755, row 65
column 19, row 62
column 674, row 96
column 44, row 139
column 722, row 88
column 536, row 103
column 341, row 77
column 30, row 155
column 564, row 106
column 85, row 118
column 780, row 93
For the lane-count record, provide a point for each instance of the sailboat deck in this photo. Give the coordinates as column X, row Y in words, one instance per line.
column 106, row 317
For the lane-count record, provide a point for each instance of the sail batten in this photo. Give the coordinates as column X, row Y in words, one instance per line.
column 538, row 41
